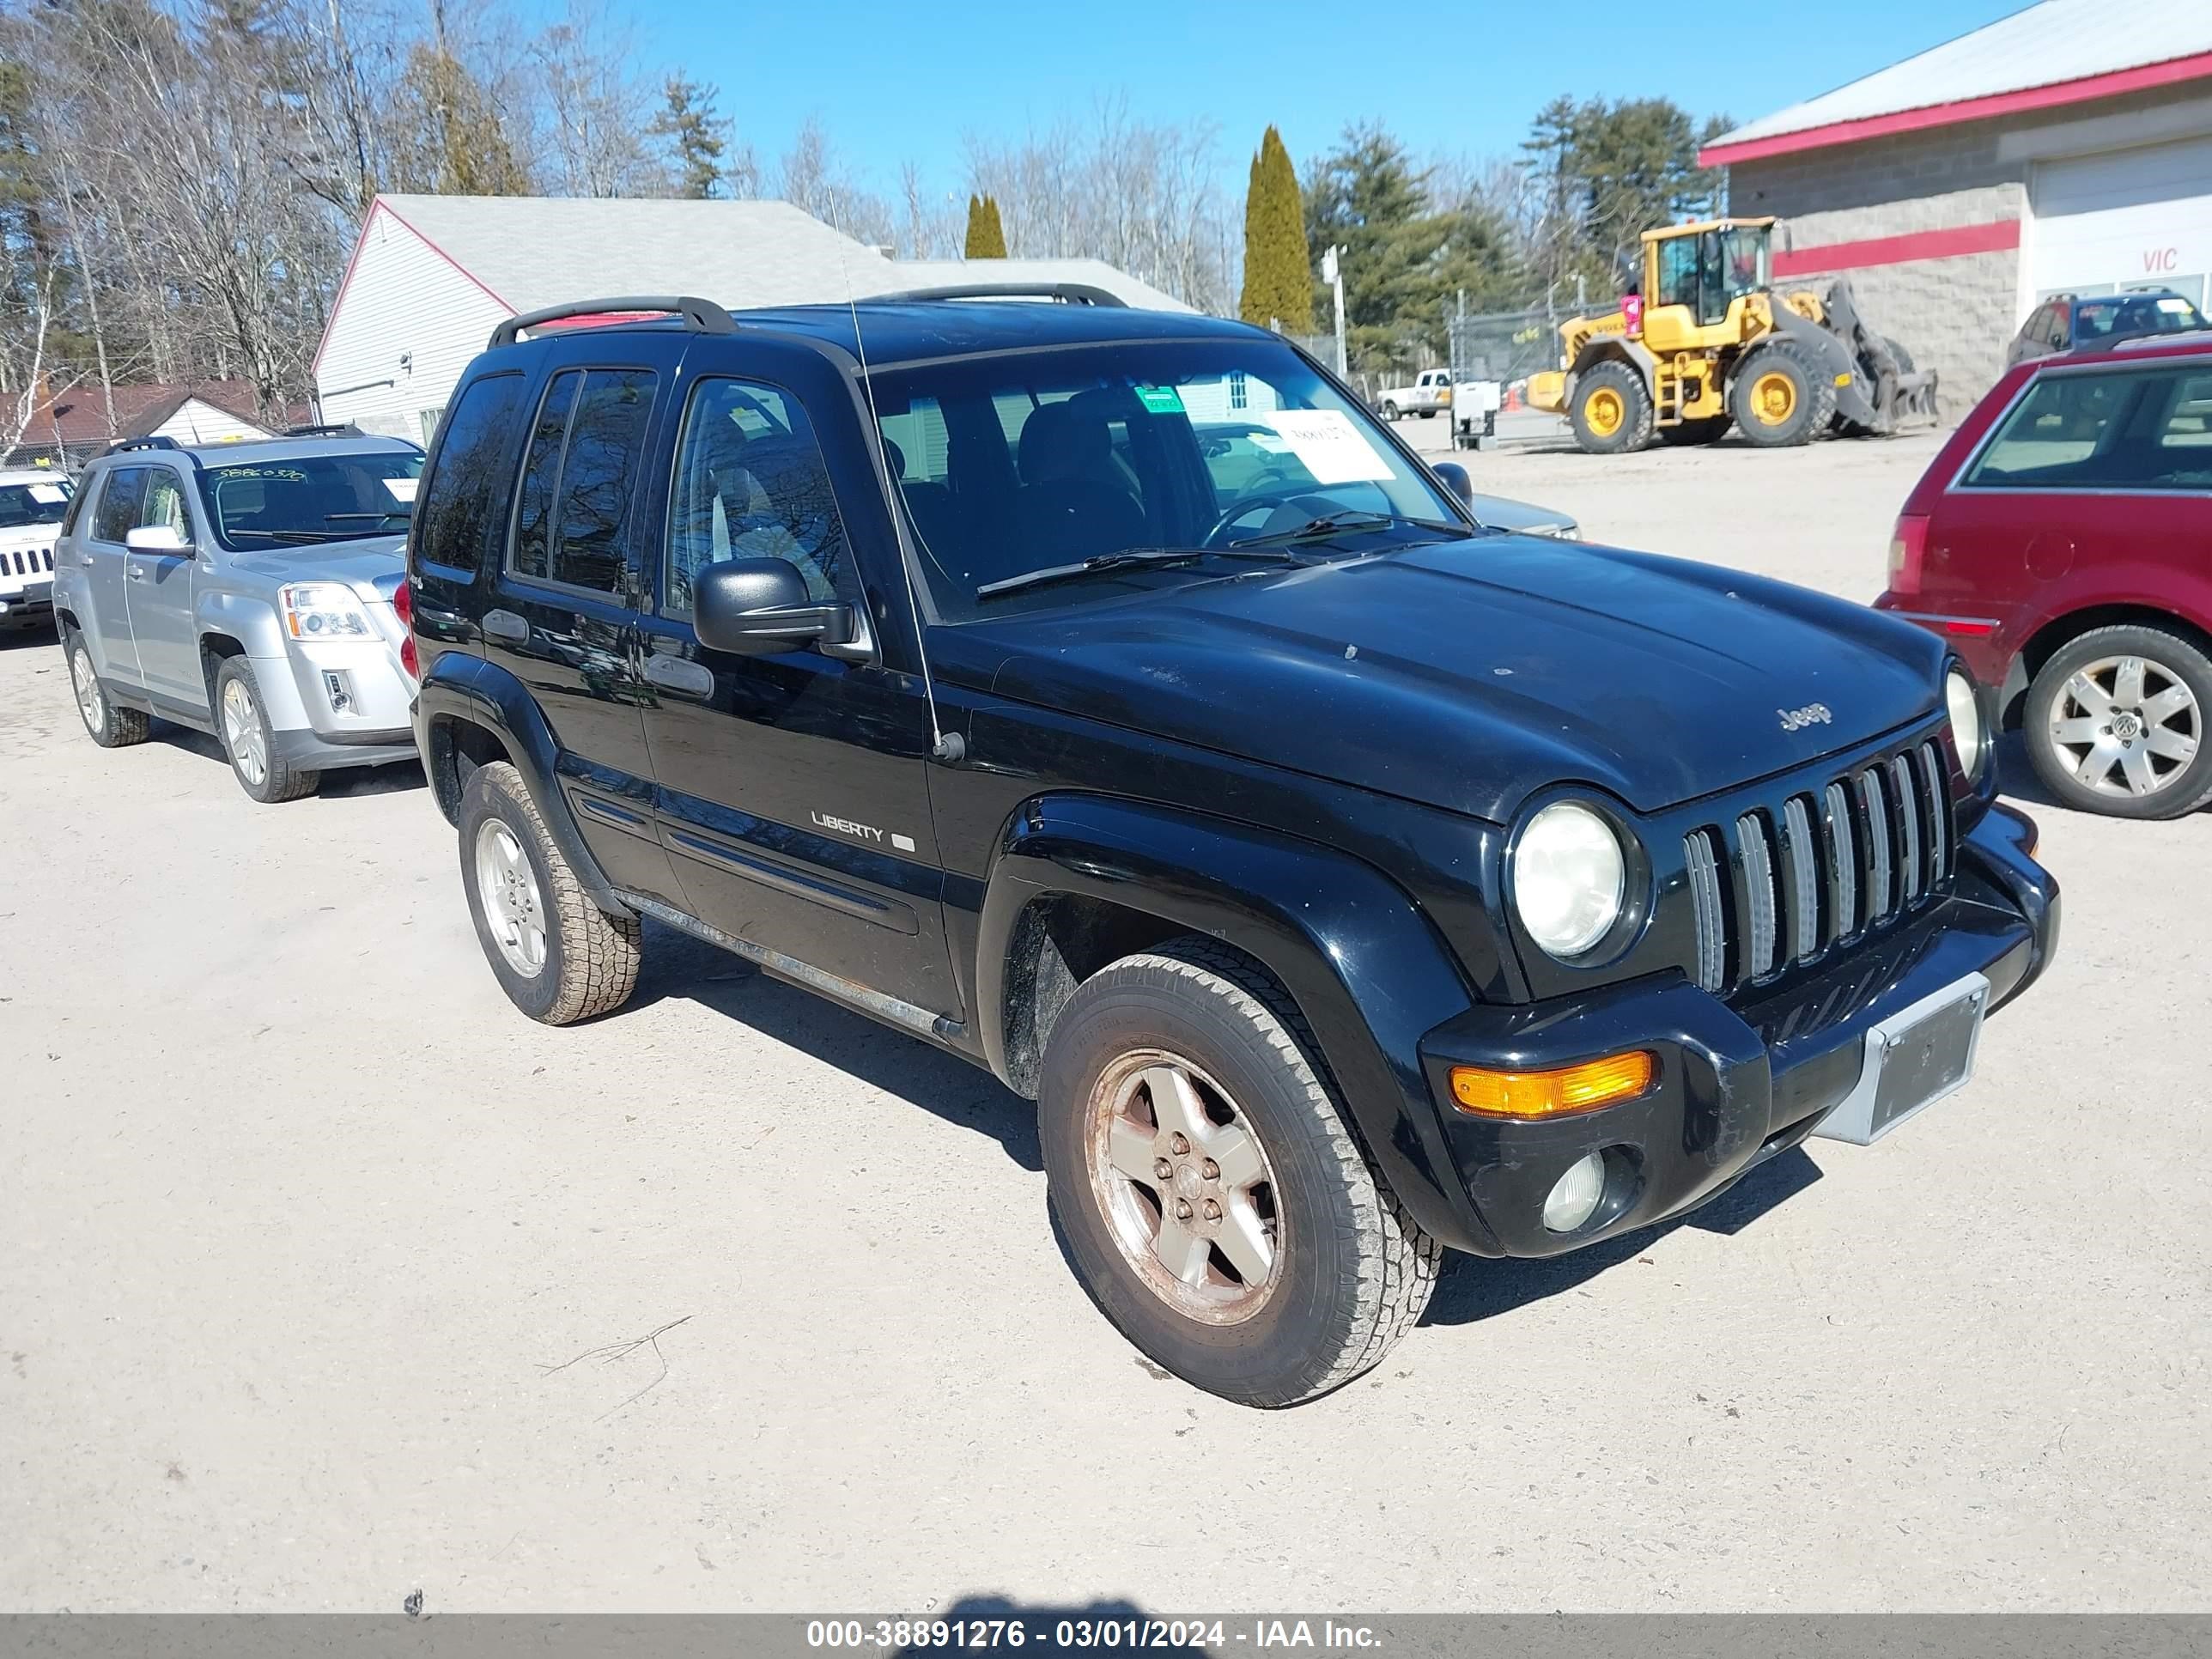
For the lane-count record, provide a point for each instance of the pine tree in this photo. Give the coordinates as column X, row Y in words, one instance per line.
column 1278, row 273
column 695, row 134
column 987, row 237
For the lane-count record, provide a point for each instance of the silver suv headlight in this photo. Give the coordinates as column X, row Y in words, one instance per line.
column 1966, row 735
column 323, row 611
column 1570, row 877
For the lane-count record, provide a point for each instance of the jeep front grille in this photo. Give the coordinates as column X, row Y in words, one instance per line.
column 1776, row 886
column 25, row 562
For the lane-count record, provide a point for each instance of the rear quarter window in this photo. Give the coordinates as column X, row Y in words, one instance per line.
column 464, row 495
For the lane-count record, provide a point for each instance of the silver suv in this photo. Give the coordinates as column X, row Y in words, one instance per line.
column 246, row 591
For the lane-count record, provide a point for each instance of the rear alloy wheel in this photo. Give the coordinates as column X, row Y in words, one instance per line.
column 111, row 727
column 559, row 958
column 1611, row 412
column 1778, row 400
column 1389, row 409
column 2115, row 723
column 1213, row 1200
column 250, row 743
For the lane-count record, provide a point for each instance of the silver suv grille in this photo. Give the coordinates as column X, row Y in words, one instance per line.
column 1773, row 889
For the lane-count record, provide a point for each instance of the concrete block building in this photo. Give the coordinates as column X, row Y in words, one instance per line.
column 2067, row 148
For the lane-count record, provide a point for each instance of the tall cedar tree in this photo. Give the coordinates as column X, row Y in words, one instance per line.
column 1406, row 258
column 987, row 237
column 1277, row 279
column 1605, row 173
column 695, row 135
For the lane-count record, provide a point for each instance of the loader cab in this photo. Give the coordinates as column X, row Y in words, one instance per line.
column 1697, row 278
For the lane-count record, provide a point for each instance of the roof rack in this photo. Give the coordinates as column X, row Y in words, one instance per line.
column 327, row 429
column 699, row 316
column 152, row 440
column 1068, row 294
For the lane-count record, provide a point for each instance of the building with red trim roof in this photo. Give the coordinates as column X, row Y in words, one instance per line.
column 2066, row 147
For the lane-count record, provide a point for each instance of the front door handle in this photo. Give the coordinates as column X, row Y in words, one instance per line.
column 506, row 625
column 136, row 571
column 680, row 674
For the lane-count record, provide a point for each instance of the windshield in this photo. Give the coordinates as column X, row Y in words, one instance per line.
column 1029, row 461
column 40, row 501
column 312, row 498
column 2134, row 315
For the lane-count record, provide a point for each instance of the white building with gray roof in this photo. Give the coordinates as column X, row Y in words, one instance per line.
column 432, row 275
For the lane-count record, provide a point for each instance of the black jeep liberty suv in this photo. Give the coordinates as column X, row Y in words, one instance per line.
column 1104, row 695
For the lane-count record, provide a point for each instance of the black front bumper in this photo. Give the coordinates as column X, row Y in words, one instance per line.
column 1736, row 1083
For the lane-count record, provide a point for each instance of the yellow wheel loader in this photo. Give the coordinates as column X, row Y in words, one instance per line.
column 1716, row 346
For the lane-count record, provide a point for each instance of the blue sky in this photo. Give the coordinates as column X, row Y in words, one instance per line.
column 892, row 81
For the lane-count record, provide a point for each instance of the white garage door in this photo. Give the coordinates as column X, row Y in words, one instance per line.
column 2127, row 219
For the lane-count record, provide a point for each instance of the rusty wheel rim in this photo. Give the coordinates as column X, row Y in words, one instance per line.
column 1185, row 1187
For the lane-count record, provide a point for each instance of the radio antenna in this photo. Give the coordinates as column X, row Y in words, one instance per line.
column 946, row 746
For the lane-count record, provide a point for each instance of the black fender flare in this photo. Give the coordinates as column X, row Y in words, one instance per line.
column 1366, row 968
column 1615, row 348
column 468, row 689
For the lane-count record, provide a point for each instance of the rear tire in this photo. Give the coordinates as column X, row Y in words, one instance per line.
column 559, row 958
column 1612, row 413
column 2117, row 723
column 110, row 727
column 1389, row 409
column 1291, row 1268
column 1778, row 400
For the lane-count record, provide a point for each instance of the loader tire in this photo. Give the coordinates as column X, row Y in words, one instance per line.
column 1612, row 413
column 1779, row 399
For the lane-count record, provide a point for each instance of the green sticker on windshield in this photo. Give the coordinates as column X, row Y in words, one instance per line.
column 1160, row 399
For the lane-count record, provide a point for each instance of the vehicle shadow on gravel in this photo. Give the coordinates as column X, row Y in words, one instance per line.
column 28, row 637
column 677, row 965
column 341, row 784
column 1471, row 1290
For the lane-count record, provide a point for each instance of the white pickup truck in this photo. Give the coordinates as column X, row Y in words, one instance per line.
column 1430, row 390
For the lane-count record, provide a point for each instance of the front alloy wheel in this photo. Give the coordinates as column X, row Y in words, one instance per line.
column 513, row 908
column 1185, row 1187
column 1212, row 1197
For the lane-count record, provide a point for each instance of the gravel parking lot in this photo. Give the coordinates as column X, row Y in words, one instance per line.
column 325, row 1277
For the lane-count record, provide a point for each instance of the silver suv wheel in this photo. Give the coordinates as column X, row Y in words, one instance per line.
column 90, row 701
column 242, row 734
column 513, row 909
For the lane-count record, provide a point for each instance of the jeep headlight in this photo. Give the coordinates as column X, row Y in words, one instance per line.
column 1966, row 723
column 1569, row 879
column 322, row 610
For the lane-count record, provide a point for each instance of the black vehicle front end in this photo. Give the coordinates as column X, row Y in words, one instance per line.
column 1827, row 940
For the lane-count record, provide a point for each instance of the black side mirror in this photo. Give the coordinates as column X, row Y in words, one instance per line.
column 1454, row 477
column 756, row 607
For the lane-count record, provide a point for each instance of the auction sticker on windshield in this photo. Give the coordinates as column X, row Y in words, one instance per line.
column 1329, row 446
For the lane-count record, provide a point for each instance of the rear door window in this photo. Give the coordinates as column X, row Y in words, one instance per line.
column 2139, row 429
column 465, row 498
column 572, row 523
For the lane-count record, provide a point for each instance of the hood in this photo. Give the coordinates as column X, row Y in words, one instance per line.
column 1502, row 513
column 30, row 535
column 371, row 568
column 1468, row 674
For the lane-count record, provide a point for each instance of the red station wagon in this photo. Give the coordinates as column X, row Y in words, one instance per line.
column 2062, row 543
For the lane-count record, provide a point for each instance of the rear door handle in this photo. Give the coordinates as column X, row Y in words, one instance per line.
column 680, row 674
column 506, row 625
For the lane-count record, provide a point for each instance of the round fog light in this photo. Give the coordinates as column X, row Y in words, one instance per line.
column 1574, row 1198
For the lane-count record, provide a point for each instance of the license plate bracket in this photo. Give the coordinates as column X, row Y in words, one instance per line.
column 1913, row 1059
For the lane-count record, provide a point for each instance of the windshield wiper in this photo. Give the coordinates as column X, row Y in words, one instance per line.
column 1331, row 524
column 1130, row 558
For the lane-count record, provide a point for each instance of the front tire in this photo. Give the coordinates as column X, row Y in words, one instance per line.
column 2115, row 723
column 249, row 741
column 559, row 958
column 1778, row 400
column 1612, row 411
column 1213, row 1200
column 110, row 727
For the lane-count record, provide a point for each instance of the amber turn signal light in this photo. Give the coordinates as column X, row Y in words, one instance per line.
column 1570, row 1089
